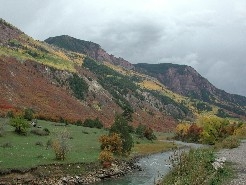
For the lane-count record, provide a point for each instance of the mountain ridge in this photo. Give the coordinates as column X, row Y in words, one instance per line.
column 186, row 81
column 88, row 48
column 60, row 84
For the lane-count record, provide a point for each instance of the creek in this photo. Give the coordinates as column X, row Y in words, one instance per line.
column 153, row 168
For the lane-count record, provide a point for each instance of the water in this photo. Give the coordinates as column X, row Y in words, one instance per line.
column 154, row 167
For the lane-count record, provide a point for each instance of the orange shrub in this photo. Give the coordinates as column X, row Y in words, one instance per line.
column 112, row 143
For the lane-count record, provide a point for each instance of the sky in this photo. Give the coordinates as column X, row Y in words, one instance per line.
column 209, row 35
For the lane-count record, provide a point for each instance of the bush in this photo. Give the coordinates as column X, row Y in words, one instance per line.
column 96, row 123
column 195, row 167
column 60, row 145
column 39, row 143
column 40, row 132
column 112, row 143
column 193, row 133
column 106, row 156
column 20, row 124
column 229, row 142
column 213, row 129
column 149, row 134
column 240, row 132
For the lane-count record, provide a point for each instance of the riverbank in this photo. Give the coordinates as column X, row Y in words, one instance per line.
column 39, row 175
column 81, row 172
column 237, row 158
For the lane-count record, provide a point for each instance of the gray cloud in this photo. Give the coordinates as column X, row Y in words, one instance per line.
column 207, row 35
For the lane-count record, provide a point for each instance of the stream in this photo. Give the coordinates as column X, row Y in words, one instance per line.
column 153, row 168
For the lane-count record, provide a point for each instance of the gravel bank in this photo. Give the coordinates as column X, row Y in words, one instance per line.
column 238, row 157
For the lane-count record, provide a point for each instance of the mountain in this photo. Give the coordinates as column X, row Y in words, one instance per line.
column 186, row 81
column 180, row 79
column 59, row 85
column 81, row 81
column 88, row 48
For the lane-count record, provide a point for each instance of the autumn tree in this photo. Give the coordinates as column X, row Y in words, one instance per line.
column 213, row 129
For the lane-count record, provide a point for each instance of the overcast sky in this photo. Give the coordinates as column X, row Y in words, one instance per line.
column 209, row 35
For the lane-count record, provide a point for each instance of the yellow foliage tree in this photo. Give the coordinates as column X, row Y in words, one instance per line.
column 182, row 130
column 214, row 129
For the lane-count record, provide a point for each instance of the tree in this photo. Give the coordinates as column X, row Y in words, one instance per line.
column 121, row 127
column 127, row 113
column 144, row 131
column 213, row 129
column 21, row 125
column 182, row 130
column 29, row 114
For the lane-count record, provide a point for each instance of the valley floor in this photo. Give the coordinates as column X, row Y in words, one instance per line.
column 238, row 158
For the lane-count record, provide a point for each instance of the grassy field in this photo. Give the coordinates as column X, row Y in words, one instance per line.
column 24, row 152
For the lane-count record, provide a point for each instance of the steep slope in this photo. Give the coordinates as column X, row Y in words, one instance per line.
column 158, row 100
column 64, row 85
column 186, row 81
column 88, row 48
column 180, row 79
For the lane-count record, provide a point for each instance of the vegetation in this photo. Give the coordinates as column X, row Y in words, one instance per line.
column 117, row 84
column 96, row 123
column 195, row 167
column 28, row 114
column 229, row 142
column 40, row 132
column 78, row 86
column 153, row 69
column 112, row 143
column 121, row 127
column 23, row 153
column 212, row 130
column 60, row 145
column 21, row 125
column 240, row 131
column 144, row 131
column 201, row 106
column 165, row 100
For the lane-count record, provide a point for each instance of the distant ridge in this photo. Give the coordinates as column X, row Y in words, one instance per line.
column 88, row 48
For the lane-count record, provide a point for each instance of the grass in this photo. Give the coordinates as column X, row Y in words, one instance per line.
column 195, row 167
column 25, row 153
column 150, row 148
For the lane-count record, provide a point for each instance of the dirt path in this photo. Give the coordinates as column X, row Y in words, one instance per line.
column 238, row 157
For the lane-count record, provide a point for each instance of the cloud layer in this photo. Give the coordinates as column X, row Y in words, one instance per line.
column 207, row 35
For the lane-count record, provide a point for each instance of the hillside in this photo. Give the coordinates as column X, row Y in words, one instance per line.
column 63, row 85
column 88, row 48
column 82, row 82
column 185, row 81
column 180, row 79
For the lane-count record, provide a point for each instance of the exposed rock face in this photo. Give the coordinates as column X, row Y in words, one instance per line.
column 186, row 81
column 90, row 49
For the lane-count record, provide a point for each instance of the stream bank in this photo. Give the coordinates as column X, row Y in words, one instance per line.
column 144, row 170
